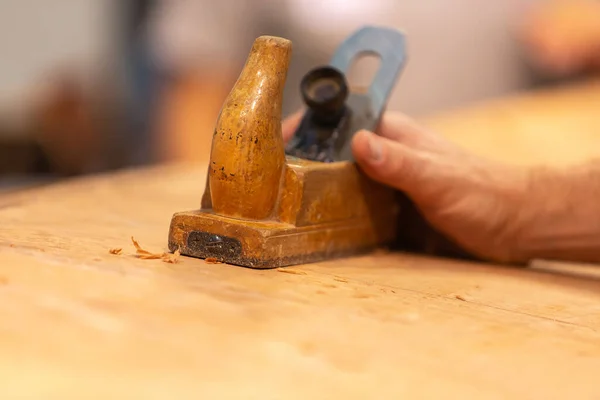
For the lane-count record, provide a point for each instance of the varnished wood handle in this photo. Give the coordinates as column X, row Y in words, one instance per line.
column 247, row 156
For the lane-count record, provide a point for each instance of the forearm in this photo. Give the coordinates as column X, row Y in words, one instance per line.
column 560, row 217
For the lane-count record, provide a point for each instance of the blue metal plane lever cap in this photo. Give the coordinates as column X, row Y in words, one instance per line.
column 324, row 89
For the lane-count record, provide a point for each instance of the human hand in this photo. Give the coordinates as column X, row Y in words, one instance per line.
column 473, row 201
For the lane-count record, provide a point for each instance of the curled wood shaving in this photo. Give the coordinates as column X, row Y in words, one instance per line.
column 146, row 255
column 212, row 260
column 115, row 251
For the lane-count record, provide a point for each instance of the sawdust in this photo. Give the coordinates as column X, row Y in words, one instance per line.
column 291, row 271
column 212, row 260
column 115, row 251
column 340, row 279
column 146, row 255
column 462, row 297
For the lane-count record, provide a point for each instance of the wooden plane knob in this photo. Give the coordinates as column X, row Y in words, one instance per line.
column 248, row 156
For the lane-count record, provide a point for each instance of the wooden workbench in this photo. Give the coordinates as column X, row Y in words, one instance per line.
column 79, row 323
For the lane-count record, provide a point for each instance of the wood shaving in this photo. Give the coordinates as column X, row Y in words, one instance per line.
column 146, row 255
column 291, row 271
column 172, row 258
column 212, row 260
column 115, row 251
column 462, row 297
column 337, row 278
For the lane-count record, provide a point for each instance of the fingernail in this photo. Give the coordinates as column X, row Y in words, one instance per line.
column 375, row 147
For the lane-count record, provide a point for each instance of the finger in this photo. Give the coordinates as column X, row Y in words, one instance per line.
column 401, row 128
column 290, row 124
column 391, row 163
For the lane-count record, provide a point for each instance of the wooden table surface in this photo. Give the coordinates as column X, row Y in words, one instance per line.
column 77, row 322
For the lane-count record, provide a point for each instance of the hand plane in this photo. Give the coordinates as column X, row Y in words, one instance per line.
column 267, row 205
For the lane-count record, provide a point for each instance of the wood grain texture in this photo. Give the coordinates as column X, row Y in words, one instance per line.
column 82, row 322
column 78, row 322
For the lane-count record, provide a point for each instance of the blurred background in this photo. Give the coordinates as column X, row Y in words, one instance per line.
column 88, row 86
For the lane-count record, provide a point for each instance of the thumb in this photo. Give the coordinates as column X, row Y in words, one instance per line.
column 390, row 162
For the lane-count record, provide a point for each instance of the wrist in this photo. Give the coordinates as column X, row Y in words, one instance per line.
column 518, row 212
column 529, row 214
column 558, row 218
